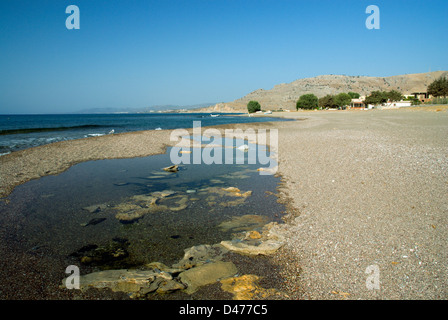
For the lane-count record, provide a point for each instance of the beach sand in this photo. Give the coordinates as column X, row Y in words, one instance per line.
column 363, row 188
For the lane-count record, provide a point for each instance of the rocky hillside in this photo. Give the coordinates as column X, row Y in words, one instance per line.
column 285, row 95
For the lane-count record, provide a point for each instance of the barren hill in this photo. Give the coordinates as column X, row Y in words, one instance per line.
column 285, row 95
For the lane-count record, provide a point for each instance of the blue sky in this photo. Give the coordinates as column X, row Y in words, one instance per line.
column 142, row 53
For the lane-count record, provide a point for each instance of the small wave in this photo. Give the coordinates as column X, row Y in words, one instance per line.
column 94, row 135
column 4, row 154
column 158, row 128
column 33, row 130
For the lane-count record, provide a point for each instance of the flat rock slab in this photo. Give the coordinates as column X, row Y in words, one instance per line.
column 264, row 248
column 207, row 274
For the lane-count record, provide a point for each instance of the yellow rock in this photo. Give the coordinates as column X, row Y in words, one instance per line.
column 246, row 287
column 231, row 189
column 253, row 235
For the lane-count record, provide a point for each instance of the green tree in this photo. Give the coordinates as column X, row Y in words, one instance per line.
column 439, row 87
column 327, row 101
column 307, row 101
column 253, row 106
column 376, row 97
column 354, row 95
column 394, row 95
column 342, row 99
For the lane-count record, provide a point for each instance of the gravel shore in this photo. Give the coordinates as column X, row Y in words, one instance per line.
column 363, row 188
column 366, row 188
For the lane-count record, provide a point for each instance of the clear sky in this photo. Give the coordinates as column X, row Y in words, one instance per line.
column 142, row 53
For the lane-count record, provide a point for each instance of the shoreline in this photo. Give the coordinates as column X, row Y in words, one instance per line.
column 361, row 189
column 21, row 166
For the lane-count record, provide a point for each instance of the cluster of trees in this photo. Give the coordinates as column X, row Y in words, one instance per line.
column 439, row 87
column 379, row 97
column 310, row 101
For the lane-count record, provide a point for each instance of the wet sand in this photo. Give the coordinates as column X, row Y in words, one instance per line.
column 363, row 188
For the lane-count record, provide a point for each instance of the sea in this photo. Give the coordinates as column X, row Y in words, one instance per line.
column 18, row 132
column 118, row 214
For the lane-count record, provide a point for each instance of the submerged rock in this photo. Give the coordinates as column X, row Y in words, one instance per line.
column 199, row 255
column 174, row 168
column 182, row 204
column 135, row 282
column 163, row 194
column 110, row 255
column 93, row 222
column 246, row 287
column 96, row 208
column 254, row 243
column 243, row 223
column 207, row 274
column 262, row 247
column 231, row 189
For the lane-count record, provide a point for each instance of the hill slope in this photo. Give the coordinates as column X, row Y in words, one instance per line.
column 285, row 95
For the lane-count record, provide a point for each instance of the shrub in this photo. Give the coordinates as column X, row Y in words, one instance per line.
column 253, row 106
column 307, row 101
column 327, row 101
column 342, row 99
column 439, row 87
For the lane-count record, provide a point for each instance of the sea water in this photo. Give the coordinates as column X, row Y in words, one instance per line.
column 19, row 132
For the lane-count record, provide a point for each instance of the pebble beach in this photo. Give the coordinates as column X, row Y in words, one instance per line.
column 362, row 189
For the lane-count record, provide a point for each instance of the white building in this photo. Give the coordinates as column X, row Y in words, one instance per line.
column 397, row 104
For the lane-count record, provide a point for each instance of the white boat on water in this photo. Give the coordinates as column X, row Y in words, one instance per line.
column 214, row 115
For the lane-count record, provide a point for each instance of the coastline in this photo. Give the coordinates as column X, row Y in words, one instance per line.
column 361, row 188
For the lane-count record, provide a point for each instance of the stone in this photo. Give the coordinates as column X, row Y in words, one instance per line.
column 123, row 280
column 96, row 208
column 137, row 283
column 262, row 248
column 163, row 194
column 254, row 242
column 174, row 168
column 111, row 254
column 170, row 286
column 159, row 266
column 146, row 199
column 253, row 235
column 243, row 223
column 93, row 222
column 131, row 216
column 199, row 255
column 182, row 204
column 231, row 189
column 246, row 287
column 206, row 274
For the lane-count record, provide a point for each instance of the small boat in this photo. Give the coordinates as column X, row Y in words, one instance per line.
column 214, row 115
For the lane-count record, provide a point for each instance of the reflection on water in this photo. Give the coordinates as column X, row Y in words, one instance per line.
column 123, row 213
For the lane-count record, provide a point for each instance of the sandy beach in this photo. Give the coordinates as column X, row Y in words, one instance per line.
column 363, row 188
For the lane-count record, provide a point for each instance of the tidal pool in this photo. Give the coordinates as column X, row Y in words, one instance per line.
column 127, row 213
